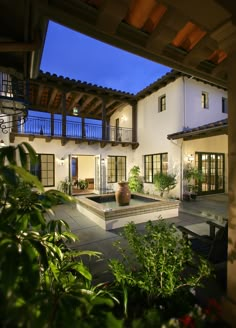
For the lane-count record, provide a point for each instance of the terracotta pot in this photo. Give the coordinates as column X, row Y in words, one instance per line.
column 123, row 194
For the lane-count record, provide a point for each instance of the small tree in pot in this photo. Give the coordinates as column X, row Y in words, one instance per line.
column 192, row 176
column 164, row 182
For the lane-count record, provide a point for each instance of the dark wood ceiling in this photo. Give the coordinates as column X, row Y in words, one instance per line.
column 197, row 36
column 47, row 91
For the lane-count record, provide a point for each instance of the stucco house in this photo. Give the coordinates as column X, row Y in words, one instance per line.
column 83, row 131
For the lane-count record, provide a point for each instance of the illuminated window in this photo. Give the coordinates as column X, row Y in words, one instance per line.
column 116, row 169
column 44, row 169
column 153, row 164
column 205, row 100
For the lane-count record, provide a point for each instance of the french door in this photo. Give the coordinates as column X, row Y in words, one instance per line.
column 212, row 166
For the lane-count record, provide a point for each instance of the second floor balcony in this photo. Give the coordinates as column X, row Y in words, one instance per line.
column 79, row 131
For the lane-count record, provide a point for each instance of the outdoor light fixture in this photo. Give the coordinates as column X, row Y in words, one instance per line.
column 13, row 108
column 2, row 144
column 75, row 111
column 124, row 118
column 190, row 158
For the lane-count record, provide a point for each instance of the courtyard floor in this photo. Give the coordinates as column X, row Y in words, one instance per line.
column 192, row 214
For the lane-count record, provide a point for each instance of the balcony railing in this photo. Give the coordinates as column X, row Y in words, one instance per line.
column 13, row 101
column 88, row 131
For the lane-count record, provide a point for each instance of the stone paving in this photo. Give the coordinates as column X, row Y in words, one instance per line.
column 192, row 214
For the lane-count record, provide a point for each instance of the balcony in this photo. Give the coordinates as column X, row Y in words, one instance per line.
column 13, row 101
column 78, row 131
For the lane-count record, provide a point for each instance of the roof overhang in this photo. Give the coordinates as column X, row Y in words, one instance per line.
column 178, row 34
column 205, row 131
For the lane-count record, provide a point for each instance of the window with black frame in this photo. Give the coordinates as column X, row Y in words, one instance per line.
column 44, row 169
column 224, row 105
column 205, row 100
column 116, row 169
column 162, row 103
column 154, row 163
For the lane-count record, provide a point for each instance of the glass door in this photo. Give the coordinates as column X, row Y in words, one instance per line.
column 212, row 167
column 97, row 179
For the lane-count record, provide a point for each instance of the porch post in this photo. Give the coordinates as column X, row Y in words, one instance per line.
column 52, row 124
column 134, row 122
column 83, row 127
column 229, row 303
column 104, row 99
column 63, row 114
column 108, row 129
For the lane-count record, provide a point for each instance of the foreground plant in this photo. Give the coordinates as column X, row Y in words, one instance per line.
column 158, row 265
column 42, row 282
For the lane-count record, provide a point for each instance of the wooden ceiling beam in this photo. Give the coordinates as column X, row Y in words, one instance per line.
column 93, row 107
column 75, row 101
column 19, row 46
column 87, row 101
column 111, row 14
column 39, row 94
column 52, row 97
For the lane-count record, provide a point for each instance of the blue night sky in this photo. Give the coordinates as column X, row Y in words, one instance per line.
column 74, row 55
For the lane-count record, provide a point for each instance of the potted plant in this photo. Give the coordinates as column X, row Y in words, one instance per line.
column 81, row 184
column 135, row 180
column 192, row 176
column 164, row 182
column 65, row 186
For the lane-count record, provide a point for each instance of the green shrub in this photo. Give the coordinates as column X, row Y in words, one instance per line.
column 155, row 264
column 42, row 282
column 135, row 180
column 164, row 182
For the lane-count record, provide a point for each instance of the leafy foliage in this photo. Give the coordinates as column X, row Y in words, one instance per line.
column 164, row 182
column 193, row 176
column 42, row 282
column 135, row 180
column 65, row 186
column 156, row 264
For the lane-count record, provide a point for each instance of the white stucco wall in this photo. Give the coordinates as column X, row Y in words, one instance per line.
column 86, row 167
column 195, row 115
column 62, row 171
column 124, row 115
column 154, row 126
column 183, row 108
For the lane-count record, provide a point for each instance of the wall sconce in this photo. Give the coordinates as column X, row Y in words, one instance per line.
column 190, row 158
column 102, row 161
column 124, row 118
column 2, row 144
column 62, row 161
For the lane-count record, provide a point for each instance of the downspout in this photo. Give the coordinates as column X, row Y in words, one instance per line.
column 180, row 167
column 184, row 104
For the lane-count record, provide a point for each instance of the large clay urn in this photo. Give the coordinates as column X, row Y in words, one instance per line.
column 123, row 193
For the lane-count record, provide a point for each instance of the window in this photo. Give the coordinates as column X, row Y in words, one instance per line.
column 162, row 103
column 205, row 100
column 44, row 169
column 224, row 105
column 116, row 168
column 153, row 164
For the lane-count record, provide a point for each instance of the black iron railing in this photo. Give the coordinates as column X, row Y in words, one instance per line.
column 90, row 131
column 13, row 101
